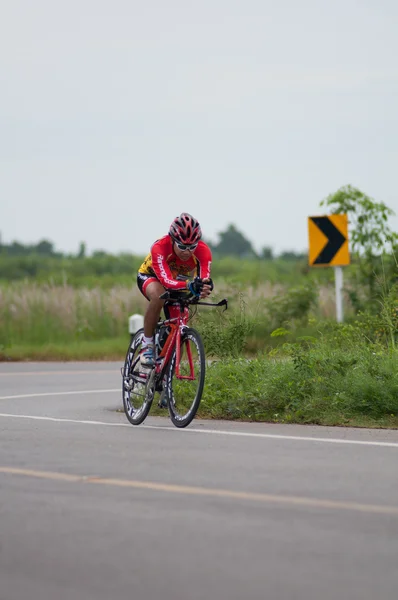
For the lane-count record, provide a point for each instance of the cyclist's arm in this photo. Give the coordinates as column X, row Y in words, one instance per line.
column 203, row 256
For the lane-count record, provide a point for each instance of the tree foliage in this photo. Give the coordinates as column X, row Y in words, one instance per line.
column 233, row 243
column 370, row 233
column 42, row 248
column 373, row 245
column 267, row 253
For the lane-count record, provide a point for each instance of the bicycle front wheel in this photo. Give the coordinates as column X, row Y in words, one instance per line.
column 186, row 378
column 138, row 386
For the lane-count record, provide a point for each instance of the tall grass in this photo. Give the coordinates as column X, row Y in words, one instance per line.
column 33, row 314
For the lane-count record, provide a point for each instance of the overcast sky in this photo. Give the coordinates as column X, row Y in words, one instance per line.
column 117, row 115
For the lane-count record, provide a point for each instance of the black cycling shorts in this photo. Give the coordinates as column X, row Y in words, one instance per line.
column 143, row 279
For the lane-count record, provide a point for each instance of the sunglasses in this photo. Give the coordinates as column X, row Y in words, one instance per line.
column 190, row 247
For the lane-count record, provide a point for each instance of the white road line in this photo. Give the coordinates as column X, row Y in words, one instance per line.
column 73, row 393
column 295, row 438
column 29, row 373
column 57, row 420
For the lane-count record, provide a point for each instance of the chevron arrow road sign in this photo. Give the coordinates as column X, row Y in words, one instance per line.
column 328, row 241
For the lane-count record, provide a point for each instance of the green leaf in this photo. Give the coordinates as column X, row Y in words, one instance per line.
column 280, row 332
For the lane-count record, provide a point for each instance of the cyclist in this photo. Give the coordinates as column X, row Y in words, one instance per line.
column 179, row 253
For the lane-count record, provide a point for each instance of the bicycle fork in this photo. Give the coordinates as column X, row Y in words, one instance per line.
column 191, row 375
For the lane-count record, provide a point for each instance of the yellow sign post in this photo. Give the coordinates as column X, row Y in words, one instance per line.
column 328, row 247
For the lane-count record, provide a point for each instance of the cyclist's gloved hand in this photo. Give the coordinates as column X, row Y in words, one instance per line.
column 195, row 286
column 209, row 282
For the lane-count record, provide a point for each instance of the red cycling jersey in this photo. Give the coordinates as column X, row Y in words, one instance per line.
column 164, row 264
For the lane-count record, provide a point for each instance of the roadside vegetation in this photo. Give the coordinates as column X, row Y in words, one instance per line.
column 277, row 354
column 341, row 374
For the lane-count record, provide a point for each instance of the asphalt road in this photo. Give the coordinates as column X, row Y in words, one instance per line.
column 92, row 507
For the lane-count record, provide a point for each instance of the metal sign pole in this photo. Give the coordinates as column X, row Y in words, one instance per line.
column 338, row 278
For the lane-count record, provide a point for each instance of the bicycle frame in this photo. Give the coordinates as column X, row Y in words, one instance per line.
column 173, row 340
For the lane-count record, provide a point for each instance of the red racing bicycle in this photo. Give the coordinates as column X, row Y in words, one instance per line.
column 178, row 374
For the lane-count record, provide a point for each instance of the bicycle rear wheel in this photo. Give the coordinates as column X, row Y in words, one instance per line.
column 185, row 385
column 138, row 387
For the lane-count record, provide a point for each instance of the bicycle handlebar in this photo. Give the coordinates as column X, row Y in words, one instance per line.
column 223, row 302
column 184, row 298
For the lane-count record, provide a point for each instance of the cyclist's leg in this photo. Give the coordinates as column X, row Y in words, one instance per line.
column 151, row 288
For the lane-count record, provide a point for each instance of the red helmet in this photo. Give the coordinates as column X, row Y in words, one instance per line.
column 185, row 229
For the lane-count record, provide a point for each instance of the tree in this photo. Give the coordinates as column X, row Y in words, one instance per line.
column 17, row 249
column 267, row 253
column 82, row 250
column 233, row 243
column 292, row 255
column 44, row 247
column 369, row 230
column 371, row 240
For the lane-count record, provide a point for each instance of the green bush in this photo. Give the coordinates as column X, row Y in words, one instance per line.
column 226, row 334
column 293, row 305
column 309, row 381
